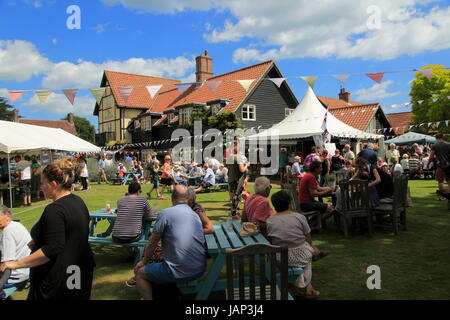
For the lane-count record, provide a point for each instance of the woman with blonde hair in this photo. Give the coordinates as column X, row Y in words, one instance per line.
column 167, row 178
column 60, row 247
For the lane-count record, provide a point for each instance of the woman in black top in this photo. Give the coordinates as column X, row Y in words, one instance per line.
column 325, row 167
column 62, row 263
column 337, row 161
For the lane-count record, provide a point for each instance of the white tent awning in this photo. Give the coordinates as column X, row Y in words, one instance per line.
column 20, row 137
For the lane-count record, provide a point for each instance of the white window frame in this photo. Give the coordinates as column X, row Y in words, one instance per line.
column 288, row 112
column 247, row 107
column 215, row 108
column 185, row 115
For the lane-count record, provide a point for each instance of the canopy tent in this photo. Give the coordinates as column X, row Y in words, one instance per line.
column 410, row 138
column 307, row 121
column 19, row 137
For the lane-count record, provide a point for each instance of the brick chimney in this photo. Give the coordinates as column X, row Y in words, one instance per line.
column 203, row 67
column 344, row 95
column 70, row 118
column 15, row 115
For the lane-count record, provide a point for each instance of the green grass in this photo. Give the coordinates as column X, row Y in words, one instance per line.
column 414, row 264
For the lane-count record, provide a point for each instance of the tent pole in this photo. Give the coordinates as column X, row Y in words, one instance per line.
column 10, row 184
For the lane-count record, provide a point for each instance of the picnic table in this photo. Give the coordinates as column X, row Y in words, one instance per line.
column 105, row 237
column 217, row 243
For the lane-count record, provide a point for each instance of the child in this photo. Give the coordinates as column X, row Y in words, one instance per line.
column 155, row 178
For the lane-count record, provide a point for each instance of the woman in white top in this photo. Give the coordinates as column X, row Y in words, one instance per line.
column 84, row 174
column 405, row 162
column 392, row 154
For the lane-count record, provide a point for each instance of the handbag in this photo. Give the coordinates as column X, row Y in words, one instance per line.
column 249, row 229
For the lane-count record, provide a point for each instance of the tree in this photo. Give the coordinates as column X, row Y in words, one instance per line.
column 85, row 130
column 5, row 113
column 435, row 95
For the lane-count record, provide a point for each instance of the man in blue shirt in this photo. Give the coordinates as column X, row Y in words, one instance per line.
column 368, row 154
column 209, row 179
column 183, row 246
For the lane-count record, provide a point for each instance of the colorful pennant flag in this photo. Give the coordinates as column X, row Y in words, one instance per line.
column 42, row 95
column 428, row 73
column 14, row 95
column 152, row 90
column 246, row 83
column 341, row 77
column 98, row 93
column 213, row 85
column 377, row 77
column 182, row 86
column 277, row 81
column 70, row 94
column 125, row 92
column 310, row 80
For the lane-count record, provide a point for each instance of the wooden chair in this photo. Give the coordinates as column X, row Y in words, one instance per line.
column 274, row 276
column 354, row 198
column 397, row 209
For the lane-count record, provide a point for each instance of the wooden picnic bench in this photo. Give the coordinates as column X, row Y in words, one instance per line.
column 217, row 243
column 126, row 179
column 105, row 237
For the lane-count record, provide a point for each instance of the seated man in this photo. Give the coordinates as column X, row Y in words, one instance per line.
column 257, row 208
column 222, row 174
column 309, row 188
column 130, row 211
column 179, row 176
column 195, row 171
column 14, row 242
column 183, row 246
column 209, row 179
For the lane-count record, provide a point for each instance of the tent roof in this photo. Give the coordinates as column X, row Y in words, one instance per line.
column 307, row 119
column 411, row 137
column 19, row 137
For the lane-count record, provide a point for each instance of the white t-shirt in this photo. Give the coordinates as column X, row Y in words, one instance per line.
column 425, row 163
column 14, row 246
column 25, row 166
column 84, row 170
column 398, row 167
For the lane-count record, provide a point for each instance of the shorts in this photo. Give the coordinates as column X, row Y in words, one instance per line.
column 155, row 182
column 206, row 184
column 158, row 273
column 314, row 206
column 440, row 175
column 25, row 186
column 166, row 181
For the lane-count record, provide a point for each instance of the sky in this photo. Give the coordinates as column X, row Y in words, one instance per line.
column 49, row 44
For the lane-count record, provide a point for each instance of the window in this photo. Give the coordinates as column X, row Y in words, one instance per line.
column 249, row 112
column 185, row 115
column 215, row 108
column 170, row 116
column 287, row 112
column 146, row 123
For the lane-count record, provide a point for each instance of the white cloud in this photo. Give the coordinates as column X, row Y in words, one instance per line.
column 376, row 92
column 57, row 103
column 54, row 41
column 37, row 4
column 20, row 60
column 100, row 28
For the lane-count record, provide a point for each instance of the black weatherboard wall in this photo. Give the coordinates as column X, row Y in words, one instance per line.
column 270, row 102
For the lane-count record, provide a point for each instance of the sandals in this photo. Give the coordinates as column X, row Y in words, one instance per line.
column 314, row 294
column 131, row 282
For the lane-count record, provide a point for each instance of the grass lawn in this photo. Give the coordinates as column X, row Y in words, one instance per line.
column 414, row 264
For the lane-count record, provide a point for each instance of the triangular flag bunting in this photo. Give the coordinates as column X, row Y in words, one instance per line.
column 42, row 95
column 377, row 77
column 448, row 97
column 152, row 90
column 183, row 86
column 70, row 94
column 213, row 85
column 310, row 80
column 429, row 124
column 420, row 101
column 341, row 77
column 277, row 81
column 407, row 104
column 437, row 124
column 446, row 123
column 246, row 83
column 125, row 92
column 14, row 95
column 98, row 93
column 434, row 99
column 428, row 73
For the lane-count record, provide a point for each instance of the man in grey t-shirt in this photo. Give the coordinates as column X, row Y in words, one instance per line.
column 183, row 245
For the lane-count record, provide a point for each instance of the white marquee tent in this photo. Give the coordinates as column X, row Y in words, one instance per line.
column 18, row 137
column 307, row 121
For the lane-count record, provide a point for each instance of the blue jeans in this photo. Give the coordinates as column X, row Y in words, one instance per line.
column 158, row 273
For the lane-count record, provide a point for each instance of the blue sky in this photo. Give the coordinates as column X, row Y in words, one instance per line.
column 161, row 38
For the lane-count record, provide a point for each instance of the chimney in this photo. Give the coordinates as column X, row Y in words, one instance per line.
column 203, row 67
column 70, row 118
column 344, row 95
column 15, row 115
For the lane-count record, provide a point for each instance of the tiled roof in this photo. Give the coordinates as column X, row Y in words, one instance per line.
column 59, row 124
column 358, row 116
column 332, row 103
column 169, row 96
column 400, row 120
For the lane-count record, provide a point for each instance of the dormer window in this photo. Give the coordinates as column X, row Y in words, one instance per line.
column 185, row 115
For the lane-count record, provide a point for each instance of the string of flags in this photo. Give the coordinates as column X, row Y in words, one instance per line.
column 126, row 91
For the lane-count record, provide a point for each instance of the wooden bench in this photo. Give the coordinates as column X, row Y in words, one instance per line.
column 139, row 245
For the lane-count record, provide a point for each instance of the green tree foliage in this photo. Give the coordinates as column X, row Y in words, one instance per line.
column 85, row 130
column 436, row 104
column 5, row 112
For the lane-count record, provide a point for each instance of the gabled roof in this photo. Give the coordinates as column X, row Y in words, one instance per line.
column 58, row 124
column 399, row 120
column 169, row 97
column 358, row 117
column 332, row 103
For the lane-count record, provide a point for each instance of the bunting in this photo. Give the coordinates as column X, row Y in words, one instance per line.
column 152, row 90
column 246, row 83
column 14, row 95
column 98, row 93
column 428, row 73
column 70, row 94
column 125, row 92
column 310, row 80
column 377, row 77
column 42, row 95
column 182, row 87
column 277, row 81
column 213, row 85
column 341, row 77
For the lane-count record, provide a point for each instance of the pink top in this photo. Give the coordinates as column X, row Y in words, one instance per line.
column 256, row 209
